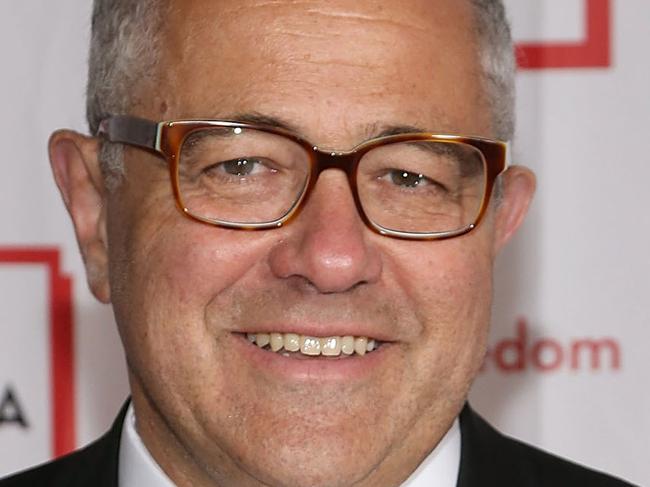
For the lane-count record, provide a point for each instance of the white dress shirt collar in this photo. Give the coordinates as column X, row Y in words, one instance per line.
column 440, row 468
column 137, row 468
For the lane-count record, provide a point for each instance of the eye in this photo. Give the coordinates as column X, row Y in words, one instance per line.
column 407, row 179
column 240, row 167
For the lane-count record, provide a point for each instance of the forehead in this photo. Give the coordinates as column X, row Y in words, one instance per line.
column 351, row 62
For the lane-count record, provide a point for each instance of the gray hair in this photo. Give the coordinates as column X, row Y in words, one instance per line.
column 125, row 50
column 124, row 54
column 498, row 64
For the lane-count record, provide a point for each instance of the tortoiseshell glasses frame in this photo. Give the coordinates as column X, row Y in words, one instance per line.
column 167, row 138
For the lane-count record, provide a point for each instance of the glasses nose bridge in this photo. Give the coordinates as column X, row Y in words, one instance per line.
column 327, row 159
column 343, row 161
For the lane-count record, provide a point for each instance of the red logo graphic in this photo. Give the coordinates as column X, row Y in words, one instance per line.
column 61, row 342
column 524, row 352
column 592, row 52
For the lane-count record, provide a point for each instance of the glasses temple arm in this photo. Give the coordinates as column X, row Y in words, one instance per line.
column 508, row 155
column 130, row 130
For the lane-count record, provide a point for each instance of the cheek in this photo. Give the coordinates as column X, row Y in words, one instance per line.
column 449, row 288
column 447, row 281
column 157, row 253
column 165, row 271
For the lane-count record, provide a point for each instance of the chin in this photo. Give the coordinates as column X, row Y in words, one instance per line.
column 325, row 465
column 307, row 452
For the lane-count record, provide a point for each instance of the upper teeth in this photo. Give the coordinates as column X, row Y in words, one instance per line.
column 332, row 346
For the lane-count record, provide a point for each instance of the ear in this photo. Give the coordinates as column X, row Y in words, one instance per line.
column 75, row 163
column 517, row 193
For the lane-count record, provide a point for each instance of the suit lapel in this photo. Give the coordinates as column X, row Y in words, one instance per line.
column 101, row 457
column 481, row 461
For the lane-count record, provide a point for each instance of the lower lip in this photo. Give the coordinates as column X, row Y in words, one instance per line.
column 355, row 367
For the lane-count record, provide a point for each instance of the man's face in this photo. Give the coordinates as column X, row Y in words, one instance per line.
column 211, row 405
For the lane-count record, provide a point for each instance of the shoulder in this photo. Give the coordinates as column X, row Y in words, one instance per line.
column 95, row 465
column 73, row 470
column 491, row 458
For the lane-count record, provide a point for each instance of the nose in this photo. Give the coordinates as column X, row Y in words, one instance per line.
column 328, row 247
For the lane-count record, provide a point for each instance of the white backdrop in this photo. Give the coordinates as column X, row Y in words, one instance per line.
column 568, row 365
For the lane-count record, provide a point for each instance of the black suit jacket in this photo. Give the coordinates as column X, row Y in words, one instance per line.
column 488, row 459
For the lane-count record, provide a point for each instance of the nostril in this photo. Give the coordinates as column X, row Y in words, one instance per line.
column 350, row 289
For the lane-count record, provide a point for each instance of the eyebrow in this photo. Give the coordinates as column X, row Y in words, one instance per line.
column 398, row 130
column 372, row 131
column 257, row 118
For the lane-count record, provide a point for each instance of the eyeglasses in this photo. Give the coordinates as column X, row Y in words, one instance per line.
column 249, row 176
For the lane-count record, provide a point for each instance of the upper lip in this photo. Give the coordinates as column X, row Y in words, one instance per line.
column 321, row 330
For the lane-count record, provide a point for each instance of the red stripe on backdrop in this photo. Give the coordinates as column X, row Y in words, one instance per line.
column 593, row 52
column 62, row 388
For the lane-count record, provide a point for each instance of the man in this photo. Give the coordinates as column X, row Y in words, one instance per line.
column 300, row 256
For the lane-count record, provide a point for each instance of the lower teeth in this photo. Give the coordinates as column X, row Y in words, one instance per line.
column 300, row 355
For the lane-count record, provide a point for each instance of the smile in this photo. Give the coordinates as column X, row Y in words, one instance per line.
column 295, row 345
